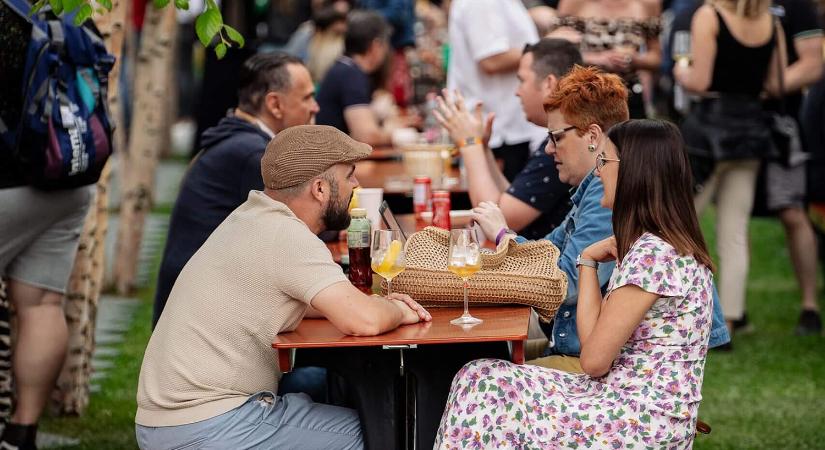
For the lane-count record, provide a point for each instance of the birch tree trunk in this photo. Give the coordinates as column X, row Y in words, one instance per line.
column 6, row 391
column 149, row 125
column 83, row 291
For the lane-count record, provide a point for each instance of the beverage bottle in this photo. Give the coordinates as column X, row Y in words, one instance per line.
column 432, row 129
column 422, row 195
column 358, row 243
column 441, row 209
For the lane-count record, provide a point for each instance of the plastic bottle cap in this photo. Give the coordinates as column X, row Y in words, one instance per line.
column 358, row 212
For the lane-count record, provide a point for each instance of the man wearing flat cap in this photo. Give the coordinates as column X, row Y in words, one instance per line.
column 209, row 374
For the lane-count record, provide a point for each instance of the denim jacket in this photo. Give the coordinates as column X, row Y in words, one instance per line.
column 586, row 223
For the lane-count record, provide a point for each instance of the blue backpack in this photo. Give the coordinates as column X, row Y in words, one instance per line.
column 62, row 136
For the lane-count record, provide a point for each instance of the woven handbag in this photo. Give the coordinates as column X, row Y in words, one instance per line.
column 524, row 274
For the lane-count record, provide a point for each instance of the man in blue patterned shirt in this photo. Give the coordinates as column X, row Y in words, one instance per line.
column 536, row 201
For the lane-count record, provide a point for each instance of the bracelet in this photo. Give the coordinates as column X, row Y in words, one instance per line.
column 472, row 140
column 501, row 233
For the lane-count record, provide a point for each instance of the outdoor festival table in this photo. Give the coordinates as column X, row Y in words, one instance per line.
column 502, row 325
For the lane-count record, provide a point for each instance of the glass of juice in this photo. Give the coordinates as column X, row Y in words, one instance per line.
column 387, row 253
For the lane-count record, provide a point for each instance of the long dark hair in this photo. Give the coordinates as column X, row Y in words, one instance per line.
column 653, row 191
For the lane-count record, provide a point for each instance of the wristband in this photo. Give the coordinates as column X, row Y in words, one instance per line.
column 472, row 140
column 501, row 234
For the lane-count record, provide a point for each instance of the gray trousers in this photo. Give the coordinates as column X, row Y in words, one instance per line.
column 265, row 421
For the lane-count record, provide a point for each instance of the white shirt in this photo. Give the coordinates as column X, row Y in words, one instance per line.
column 479, row 29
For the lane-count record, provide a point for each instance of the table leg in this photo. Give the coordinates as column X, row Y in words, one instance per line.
column 518, row 352
column 284, row 360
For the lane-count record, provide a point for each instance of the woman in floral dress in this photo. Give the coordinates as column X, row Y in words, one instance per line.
column 643, row 344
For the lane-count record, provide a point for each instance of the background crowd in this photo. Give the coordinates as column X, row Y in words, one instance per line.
column 742, row 80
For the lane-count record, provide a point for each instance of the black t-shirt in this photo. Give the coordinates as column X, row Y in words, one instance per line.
column 538, row 185
column 344, row 85
column 799, row 21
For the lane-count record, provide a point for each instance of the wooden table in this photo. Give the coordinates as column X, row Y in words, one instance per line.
column 385, row 153
column 501, row 324
column 389, row 430
column 391, row 176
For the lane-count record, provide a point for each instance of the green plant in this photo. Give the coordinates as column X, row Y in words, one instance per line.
column 208, row 26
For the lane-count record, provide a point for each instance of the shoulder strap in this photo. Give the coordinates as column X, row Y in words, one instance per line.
column 777, row 27
column 57, row 38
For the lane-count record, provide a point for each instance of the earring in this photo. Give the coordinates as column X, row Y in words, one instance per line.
column 591, row 148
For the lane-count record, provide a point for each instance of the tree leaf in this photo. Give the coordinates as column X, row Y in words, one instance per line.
column 220, row 50
column 57, row 6
column 83, row 14
column 234, row 35
column 70, row 5
column 38, row 6
column 182, row 4
column 160, row 3
column 208, row 24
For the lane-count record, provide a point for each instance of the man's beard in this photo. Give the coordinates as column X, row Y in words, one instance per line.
column 336, row 215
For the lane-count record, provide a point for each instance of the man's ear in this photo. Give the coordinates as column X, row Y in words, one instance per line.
column 548, row 87
column 319, row 189
column 274, row 105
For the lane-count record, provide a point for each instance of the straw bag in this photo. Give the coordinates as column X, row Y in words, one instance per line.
column 525, row 274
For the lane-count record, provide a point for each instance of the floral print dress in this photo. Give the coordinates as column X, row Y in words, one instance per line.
column 648, row 399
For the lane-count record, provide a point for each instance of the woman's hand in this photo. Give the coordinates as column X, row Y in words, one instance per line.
column 681, row 72
column 459, row 122
column 490, row 218
column 602, row 251
column 611, row 60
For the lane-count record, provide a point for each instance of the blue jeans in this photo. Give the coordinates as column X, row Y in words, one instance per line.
column 309, row 380
column 265, row 421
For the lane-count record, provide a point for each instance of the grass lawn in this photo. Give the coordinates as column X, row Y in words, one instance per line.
column 768, row 393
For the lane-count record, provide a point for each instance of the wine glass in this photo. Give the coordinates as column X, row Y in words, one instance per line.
column 464, row 261
column 387, row 254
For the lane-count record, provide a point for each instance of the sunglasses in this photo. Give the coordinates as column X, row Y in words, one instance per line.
column 601, row 160
column 556, row 134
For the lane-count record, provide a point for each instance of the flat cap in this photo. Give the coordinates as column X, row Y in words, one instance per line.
column 300, row 153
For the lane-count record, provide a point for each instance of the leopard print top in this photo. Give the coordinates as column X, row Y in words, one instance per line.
column 604, row 34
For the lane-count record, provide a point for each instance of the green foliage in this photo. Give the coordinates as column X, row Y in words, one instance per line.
column 208, row 26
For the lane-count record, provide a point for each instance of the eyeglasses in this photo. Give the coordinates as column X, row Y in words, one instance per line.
column 555, row 134
column 601, row 160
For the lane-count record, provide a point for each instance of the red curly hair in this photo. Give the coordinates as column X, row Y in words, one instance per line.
column 587, row 95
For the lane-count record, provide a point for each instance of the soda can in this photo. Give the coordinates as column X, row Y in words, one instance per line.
column 422, row 195
column 441, row 209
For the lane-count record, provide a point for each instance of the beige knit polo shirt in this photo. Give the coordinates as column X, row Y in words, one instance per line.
column 211, row 349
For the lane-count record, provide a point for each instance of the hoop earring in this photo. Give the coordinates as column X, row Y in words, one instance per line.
column 591, row 148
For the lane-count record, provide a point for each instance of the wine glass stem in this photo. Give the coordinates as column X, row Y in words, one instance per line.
column 466, row 309
column 389, row 286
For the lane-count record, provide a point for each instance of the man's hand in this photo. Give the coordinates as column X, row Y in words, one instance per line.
column 489, row 216
column 411, row 310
